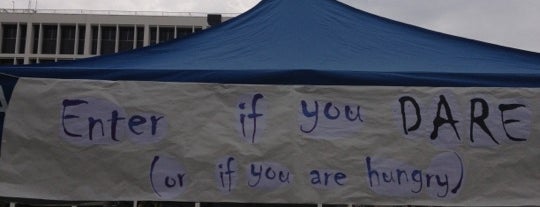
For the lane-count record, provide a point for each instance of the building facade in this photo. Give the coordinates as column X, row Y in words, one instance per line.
column 39, row 36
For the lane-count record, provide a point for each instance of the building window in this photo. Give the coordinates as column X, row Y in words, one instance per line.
column 183, row 31
column 126, row 38
column 45, row 61
column 140, row 37
column 82, row 35
column 95, row 37
column 95, row 34
column 153, row 35
column 108, row 40
column 36, row 38
column 63, row 60
column 9, row 38
column 198, row 29
column 49, row 39
column 22, row 38
column 6, row 61
column 19, row 61
column 166, row 34
column 67, row 39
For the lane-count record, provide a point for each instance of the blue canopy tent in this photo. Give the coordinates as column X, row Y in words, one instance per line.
column 310, row 42
column 300, row 42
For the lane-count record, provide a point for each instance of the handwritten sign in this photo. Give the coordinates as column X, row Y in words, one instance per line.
column 101, row 140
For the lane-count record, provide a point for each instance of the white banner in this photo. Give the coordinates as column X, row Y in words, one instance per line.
column 103, row 140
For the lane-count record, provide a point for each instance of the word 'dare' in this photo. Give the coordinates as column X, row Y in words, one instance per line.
column 444, row 124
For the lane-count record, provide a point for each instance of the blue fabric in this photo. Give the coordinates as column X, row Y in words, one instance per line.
column 8, row 84
column 310, row 42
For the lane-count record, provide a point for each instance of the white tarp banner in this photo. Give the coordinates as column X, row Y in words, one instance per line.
column 103, row 140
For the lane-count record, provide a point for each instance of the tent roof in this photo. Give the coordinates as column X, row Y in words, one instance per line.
column 311, row 42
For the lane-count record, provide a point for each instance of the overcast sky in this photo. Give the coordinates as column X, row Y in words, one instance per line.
column 513, row 23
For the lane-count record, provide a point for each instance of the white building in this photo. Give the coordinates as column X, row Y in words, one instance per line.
column 38, row 36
